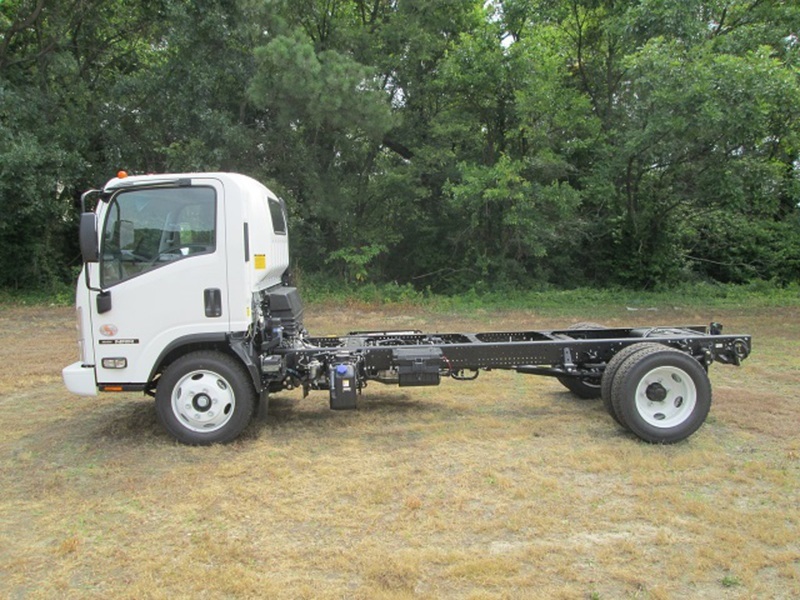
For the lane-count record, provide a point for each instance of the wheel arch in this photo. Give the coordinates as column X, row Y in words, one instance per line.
column 220, row 342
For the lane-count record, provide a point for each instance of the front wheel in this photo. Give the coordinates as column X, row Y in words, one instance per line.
column 663, row 396
column 205, row 398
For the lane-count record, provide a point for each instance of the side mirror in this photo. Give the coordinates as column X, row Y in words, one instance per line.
column 88, row 238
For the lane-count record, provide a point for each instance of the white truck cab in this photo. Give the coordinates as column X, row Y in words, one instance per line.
column 176, row 265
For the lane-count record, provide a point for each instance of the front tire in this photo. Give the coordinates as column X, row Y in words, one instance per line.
column 205, row 398
column 663, row 396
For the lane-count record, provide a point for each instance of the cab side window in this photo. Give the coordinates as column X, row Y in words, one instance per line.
column 278, row 219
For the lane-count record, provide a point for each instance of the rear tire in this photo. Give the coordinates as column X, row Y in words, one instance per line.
column 205, row 398
column 662, row 395
column 610, row 372
column 585, row 387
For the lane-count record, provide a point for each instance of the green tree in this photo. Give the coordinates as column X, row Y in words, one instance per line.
column 449, row 143
column 54, row 58
column 697, row 103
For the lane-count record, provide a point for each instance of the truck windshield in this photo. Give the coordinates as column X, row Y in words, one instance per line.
column 145, row 229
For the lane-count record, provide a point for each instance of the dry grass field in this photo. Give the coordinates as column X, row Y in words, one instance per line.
column 506, row 487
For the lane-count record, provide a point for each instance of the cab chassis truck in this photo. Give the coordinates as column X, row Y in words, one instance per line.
column 184, row 295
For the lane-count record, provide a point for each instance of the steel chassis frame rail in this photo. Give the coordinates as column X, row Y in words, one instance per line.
column 570, row 352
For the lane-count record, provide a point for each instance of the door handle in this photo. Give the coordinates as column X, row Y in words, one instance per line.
column 212, row 297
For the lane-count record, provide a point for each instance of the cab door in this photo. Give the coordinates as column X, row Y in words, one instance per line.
column 162, row 262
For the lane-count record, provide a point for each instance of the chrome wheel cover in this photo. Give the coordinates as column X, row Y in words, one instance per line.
column 203, row 401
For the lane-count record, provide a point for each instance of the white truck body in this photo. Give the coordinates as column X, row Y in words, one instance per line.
column 180, row 257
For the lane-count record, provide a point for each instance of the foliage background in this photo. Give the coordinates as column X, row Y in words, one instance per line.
column 449, row 145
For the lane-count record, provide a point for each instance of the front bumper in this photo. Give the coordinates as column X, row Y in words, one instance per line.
column 79, row 379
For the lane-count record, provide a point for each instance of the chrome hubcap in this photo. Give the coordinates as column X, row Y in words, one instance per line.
column 203, row 401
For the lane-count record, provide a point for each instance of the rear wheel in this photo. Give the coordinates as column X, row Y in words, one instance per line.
column 662, row 395
column 205, row 398
column 611, row 370
column 587, row 388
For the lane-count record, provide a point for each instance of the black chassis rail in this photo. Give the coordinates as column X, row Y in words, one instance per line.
column 581, row 353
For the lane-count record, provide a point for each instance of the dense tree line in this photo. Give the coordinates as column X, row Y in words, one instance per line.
column 451, row 144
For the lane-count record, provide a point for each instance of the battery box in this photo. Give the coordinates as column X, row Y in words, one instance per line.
column 417, row 366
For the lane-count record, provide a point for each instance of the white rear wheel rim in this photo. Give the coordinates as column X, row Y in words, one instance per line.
column 666, row 397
